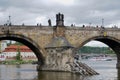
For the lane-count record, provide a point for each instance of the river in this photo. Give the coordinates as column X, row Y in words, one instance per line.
column 107, row 70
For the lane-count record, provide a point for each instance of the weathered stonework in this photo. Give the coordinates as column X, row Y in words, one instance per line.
column 61, row 36
column 58, row 59
column 62, row 59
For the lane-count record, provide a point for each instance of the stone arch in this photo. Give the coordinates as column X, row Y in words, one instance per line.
column 26, row 41
column 112, row 42
column 105, row 39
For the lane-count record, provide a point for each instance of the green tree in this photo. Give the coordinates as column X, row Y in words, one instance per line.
column 10, row 42
column 18, row 43
column 18, row 56
column 96, row 50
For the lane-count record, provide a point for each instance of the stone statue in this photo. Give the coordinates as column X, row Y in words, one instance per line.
column 60, row 19
column 49, row 22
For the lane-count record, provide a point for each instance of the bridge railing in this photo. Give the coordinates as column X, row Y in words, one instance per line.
column 94, row 28
column 51, row 27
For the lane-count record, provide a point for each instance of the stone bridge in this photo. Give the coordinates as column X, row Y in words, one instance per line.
column 45, row 40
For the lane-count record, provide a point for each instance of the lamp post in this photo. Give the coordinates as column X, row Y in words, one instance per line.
column 102, row 22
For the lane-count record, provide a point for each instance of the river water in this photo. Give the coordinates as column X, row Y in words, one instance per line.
column 107, row 70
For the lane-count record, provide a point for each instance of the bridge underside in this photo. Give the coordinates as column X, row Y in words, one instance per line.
column 28, row 42
column 115, row 45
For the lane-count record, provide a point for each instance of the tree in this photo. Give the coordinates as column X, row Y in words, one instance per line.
column 18, row 56
column 96, row 50
column 18, row 43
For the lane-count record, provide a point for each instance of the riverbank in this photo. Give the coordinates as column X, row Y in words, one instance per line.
column 14, row 62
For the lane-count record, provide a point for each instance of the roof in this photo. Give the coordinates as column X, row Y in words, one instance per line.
column 58, row 42
column 18, row 46
column 14, row 48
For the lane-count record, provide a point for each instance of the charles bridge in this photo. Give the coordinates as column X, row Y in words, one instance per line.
column 56, row 45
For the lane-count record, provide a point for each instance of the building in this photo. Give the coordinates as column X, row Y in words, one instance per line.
column 26, row 53
column 3, row 45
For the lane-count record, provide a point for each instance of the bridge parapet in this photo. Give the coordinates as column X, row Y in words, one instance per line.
column 92, row 28
column 77, row 35
column 41, row 35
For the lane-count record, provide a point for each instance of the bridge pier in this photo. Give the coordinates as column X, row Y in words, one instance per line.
column 59, row 54
column 118, row 65
column 118, row 62
column 60, row 57
column 117, row 51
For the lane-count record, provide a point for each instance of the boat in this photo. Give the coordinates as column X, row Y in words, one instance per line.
column 100, row 58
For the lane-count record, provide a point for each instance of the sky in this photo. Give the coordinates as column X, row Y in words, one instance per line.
column 94, row 43
column 78, row 12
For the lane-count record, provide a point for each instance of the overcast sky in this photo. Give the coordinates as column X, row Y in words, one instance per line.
column 76, row 12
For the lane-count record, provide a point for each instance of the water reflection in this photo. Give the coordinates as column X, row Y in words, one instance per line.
column 44, row 75
column 107, row 71
column 18, row 72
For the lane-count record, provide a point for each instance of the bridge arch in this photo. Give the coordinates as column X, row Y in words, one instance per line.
column 26, row 41
column 112, row 42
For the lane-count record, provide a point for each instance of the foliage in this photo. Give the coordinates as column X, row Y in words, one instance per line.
column 8, row 44
column 18, row 56
column 18, row 43
column 96, row 50
column 14, row 62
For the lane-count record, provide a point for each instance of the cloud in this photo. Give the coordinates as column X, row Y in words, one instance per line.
column 59, row 2
column 95, row 44
column 75, row 11
column 78, row 12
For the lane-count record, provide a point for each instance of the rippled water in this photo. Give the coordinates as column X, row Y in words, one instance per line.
column 107, row 70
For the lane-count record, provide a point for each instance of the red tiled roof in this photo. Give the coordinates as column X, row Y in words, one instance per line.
column 14, row 48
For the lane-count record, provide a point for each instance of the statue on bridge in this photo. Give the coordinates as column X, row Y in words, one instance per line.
column 49, row 22
column 59, row 19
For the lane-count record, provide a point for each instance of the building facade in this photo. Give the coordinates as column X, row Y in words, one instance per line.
column 3, row 45
column 26, row 53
